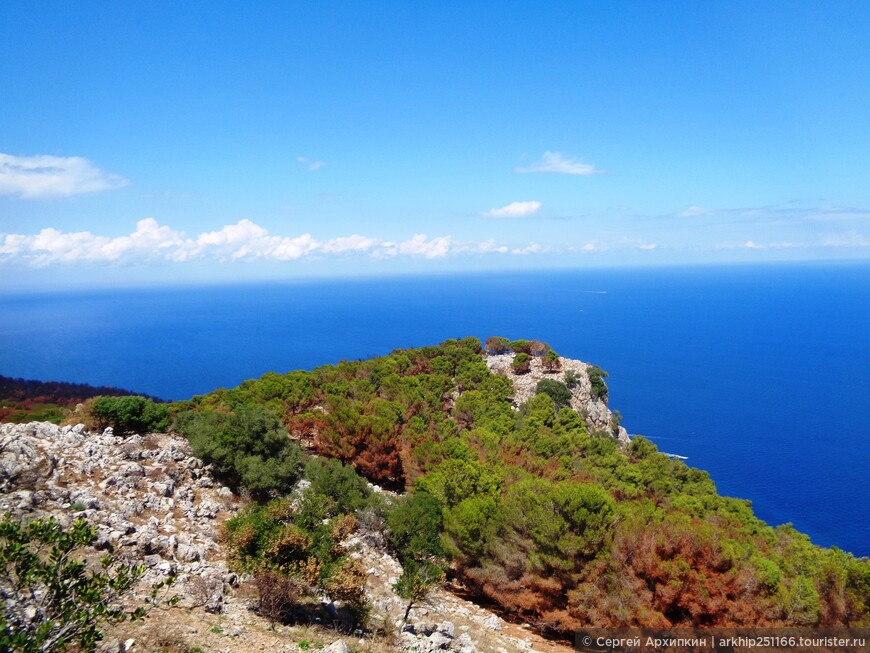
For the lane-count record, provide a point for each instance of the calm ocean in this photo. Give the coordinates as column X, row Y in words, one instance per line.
column 760, row 375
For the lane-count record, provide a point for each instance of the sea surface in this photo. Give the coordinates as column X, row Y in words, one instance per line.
column 758, row 374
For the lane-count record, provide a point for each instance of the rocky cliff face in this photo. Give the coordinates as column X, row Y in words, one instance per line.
column 154, row 502
column 594, row 409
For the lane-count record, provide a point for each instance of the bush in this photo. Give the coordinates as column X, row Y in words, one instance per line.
column 521, row 346
column 344, row 489
column 415, row 527
column 551, row 361
column 418, row 579
column 55, row 601
column 131, row 414
column 248, row 447
column 571, row 378
column 538, row 348
column 596, row 379
column 293, row 554
column 521, row 364
column 557, row 390
column 277, row 596
column 497, row 345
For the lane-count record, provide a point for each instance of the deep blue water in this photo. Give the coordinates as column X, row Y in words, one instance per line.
column 760, row 375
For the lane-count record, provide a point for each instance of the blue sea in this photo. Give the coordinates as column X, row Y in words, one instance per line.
column 758, row 374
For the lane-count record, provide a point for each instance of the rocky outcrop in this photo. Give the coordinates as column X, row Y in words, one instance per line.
column 150, row 499
column 593, row 409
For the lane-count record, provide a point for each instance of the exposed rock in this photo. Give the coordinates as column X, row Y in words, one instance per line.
column 338, row 646
column 138, row 499
column 593, row 409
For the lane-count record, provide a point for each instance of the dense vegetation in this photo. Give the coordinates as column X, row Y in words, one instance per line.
column 23, row 400
column 550, row 521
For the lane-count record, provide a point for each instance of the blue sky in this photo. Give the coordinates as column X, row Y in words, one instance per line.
column 154, row 142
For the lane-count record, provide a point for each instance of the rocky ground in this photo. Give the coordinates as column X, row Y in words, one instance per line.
column 594, row 409
column 153, row 502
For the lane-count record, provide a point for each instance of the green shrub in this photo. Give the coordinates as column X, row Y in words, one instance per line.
column 497, row 345
column 344, row 489
column 521, row 364
column 557, row 390
column 292, row 556
column 248, row 447
column 414, row 527
column 521, row 346
column 596, row 379
column 55, row 601
column 130, row 414
column 551, row 361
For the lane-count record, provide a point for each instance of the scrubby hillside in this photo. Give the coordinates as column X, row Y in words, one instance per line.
column 538, row 506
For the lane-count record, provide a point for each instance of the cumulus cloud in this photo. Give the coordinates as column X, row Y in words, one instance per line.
column 418, row 245
column 247, row 239
column 560, row 164
column 44, row 176
column 354, row 243
column 310, row 164
column 244, row 240
column 514, row 210
column 53, row 246
column 492, row 246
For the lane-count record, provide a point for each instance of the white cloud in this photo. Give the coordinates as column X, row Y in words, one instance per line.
column 560, row 164
column 42, row 176
column 492, row 246
column 149, row 237
column 244, row 240
column 751, row 245
column 247, row 239
column 419, row 245
column 149, row 240
column 534, row 248
column 354, row 243
column 308, row 163
column 514, row 210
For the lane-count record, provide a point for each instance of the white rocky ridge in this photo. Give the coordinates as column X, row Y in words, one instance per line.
column 593, row 409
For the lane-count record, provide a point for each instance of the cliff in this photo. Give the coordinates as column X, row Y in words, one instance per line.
column 593, row 409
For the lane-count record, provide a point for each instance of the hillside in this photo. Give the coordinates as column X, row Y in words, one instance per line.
column 351, row 493
column 542, row 510
column 153, row 502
